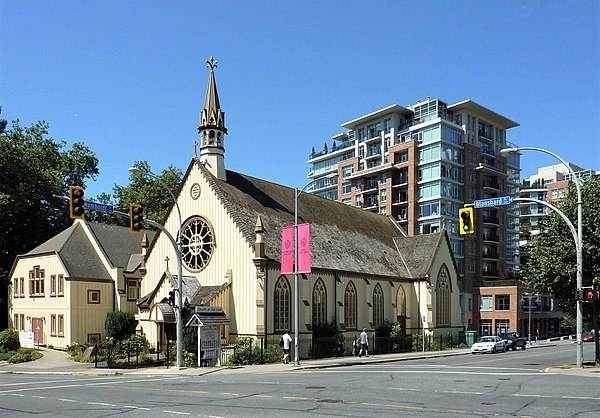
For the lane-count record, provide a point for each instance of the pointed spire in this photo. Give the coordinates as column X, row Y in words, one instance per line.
column 212, row 115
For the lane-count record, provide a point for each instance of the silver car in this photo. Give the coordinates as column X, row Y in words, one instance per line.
column 489, row 344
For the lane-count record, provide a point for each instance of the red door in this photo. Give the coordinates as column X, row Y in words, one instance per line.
column 37, row 327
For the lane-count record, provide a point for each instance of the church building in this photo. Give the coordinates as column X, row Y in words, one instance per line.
column 365, row 272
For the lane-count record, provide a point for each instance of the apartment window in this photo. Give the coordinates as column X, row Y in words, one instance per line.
column 53, row 285
column 502, row 302
column 61, row 325
column 16, row 287
column 350, row 306
column 361, row 134
column 383, row 211
column 282, row 305
column 378, row 306
column 36, row 281
column 22, row 324
column 93, row 297
column 347, row 201
column 16, row 322
column 53, row 325
column 133, row 290
column 319, row 303
column 61, row 285
column 383, row 195
column 347, row 171
column 485, row 303
column 346, row 187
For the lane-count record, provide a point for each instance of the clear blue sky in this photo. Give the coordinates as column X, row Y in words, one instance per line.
column 128, row 78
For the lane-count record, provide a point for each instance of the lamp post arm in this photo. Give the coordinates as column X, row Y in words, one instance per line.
column 558, row 212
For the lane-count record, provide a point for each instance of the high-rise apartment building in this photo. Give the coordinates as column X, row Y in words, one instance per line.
column 418, row 165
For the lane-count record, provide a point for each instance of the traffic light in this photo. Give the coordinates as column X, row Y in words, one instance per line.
column 465, row 221
column 591, row 295
column 172, row 298
column 76, row 203
column 136, row 218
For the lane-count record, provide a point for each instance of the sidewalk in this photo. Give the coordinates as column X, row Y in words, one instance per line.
column 59, row 362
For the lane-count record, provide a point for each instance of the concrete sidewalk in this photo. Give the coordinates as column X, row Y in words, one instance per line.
column 59, row 362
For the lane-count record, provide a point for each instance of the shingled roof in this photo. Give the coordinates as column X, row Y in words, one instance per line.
column 79, row 255
column 343, row 237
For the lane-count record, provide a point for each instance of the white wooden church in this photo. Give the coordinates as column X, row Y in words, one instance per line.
column 365, row 271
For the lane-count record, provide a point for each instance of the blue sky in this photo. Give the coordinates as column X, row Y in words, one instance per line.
column 128, row 78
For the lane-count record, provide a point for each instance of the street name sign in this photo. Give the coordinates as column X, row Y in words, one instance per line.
column 99, row 206
column 494, row 201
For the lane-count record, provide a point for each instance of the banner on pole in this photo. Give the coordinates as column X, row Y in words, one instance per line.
column 304, row 248
column 287, row 250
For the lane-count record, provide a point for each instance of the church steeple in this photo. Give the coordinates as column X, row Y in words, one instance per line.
column 212, row 128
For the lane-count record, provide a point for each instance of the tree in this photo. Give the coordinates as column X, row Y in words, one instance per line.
column 552, row 267
column 149, row 192
column 119, row 325
column 34, row 169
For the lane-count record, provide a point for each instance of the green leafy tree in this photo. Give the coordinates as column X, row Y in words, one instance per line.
column 119, row 325
column 552, row 267
column 34, row 169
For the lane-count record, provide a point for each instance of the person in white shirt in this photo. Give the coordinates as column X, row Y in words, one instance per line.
column 287, row 342
column 364, row 343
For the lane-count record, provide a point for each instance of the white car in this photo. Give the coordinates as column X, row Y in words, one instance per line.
column 489, row 344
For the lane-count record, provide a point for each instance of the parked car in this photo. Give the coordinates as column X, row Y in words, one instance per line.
column 588, row 336
column 489, row 344
column 514, row 340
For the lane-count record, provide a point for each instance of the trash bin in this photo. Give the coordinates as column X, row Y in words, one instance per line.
column 470, row 336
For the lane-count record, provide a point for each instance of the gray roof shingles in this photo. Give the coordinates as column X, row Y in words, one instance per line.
column 342, row 237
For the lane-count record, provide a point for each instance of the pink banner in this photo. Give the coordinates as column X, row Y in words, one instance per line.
column 304, row 248
column 287, row 250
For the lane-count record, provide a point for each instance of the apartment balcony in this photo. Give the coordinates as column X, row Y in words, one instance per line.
column 485, row 134
column 490, row 255
column 400, row 181
column 490, row 273
column 491, row 219
column 487, row 150
column 491, row 185
column 491, row 237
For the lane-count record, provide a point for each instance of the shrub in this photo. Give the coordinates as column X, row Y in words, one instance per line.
column 242, row 354
column 25, row 354
column 119, row 325
column 9, row 341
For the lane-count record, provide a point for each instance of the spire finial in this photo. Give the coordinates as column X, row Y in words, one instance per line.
column 211, row 63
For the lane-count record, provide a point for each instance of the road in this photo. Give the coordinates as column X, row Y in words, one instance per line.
column 512, row 384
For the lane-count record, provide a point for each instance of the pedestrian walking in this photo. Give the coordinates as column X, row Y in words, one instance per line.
column 355, row 347
column 286, row 342
column 364, row 343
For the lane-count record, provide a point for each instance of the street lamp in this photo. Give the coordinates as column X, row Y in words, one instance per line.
column 578, row 241
column 135, row 170
column 297, row 194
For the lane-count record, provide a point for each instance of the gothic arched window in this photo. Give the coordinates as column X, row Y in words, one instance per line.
column 378, row 306
column 442, row 297
column 319, row 303
column 350, row 306
column 282, row 305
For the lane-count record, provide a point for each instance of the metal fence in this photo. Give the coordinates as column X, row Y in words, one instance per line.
column 250, row 349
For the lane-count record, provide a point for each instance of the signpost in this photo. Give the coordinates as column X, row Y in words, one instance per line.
column 494, row 201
